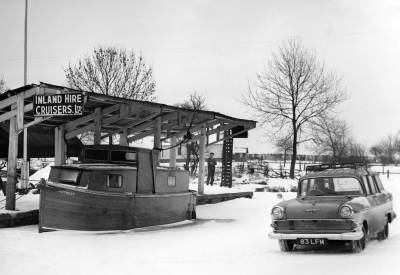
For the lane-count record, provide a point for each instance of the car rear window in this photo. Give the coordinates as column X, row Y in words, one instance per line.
column 326, row 186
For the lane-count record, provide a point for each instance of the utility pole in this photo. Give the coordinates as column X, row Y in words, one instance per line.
column 25, row 164
column 26, row 42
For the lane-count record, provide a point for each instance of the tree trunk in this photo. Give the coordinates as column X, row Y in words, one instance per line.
column 294, row 155
column 284, row 158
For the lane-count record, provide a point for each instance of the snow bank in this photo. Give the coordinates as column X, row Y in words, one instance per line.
column 40, row 174
column 227, row 238
column 24, row 203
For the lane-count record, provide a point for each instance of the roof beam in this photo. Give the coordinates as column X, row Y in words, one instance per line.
column 13, row 99
column 194, row 128
column 9, row 114
column 144, row 126
column 216, row 130
column 75, row 123
column 230, row 136
column 132, row 124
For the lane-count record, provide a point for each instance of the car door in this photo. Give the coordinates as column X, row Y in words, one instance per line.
column 373, row 211
column 376, row 212
column 383, row 199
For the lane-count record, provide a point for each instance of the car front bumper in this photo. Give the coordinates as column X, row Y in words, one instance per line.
column 348, row 236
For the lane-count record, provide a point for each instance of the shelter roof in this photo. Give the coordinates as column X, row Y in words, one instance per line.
column 135, row 118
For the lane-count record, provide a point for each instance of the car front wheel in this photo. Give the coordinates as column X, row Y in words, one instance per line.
column 286, row 245
column 359, row 245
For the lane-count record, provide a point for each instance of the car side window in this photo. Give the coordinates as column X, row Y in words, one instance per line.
column 372, row 186
column 372, row 182
column 366, row 185
column 378, row 182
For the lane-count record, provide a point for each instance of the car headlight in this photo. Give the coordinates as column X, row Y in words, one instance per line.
column 277, row 213
column 346, row 211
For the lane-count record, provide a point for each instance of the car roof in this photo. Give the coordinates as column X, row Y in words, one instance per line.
column 339, row 172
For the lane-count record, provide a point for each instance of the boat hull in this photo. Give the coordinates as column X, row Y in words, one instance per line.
column 64, row 207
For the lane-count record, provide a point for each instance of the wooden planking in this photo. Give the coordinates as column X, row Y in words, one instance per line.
column 20, row 111
column 202, row 157
column 123, row 138
column 13, row 99
column 82, row 210
column 230, row 136
column 13, row 112
column 172, row 152
column 59, row 145
column 195, row 128
column 97, row 126
column 132, row 124
column 37, row 120
column 69, row 126
column 12, row 163
column 215, row 131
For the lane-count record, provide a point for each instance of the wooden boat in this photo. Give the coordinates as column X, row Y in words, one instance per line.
column 114, row 188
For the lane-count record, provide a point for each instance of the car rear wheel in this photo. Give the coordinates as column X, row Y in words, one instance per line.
column 384, row 234
column 286, row 245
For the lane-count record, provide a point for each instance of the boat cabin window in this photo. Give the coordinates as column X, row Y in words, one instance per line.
column 123, row 156
column 114, row 181
column 96, row 154
column 67, row 176
column 330, row 186
column 171, row 182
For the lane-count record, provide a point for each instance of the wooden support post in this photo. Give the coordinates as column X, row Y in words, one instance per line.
column 172, row 152
column 12, row 164
column 157, row 136
column 123, row 137
column 202, row 159
column 59, row 146
column 97, row 126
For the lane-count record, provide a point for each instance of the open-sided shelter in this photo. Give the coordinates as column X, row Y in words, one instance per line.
column 55, row 136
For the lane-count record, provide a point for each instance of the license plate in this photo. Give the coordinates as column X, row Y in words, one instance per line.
column 312, row 241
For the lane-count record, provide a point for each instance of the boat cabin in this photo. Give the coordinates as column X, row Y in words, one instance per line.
column 121, row 169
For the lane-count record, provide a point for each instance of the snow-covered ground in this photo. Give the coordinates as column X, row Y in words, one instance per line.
column 228, row 238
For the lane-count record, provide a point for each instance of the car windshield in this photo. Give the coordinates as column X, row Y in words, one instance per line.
column 327, row 186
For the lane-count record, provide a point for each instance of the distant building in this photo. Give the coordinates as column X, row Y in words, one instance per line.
column 181, row 153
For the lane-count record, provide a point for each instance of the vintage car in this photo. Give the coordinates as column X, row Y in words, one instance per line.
column 334, row 203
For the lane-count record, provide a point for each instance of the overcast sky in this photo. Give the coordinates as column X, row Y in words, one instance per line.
column 217, row 47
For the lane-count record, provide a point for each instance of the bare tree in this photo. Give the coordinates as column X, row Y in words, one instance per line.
column 387, row 148
column 376, row 151
column 356, row 152
column 294, row 89
column 284, row 144
column 2, row 86
column 331, row 135
column 112, row 71
column 195, row 102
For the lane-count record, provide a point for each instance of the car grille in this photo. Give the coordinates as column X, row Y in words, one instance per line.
column 313, row 226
